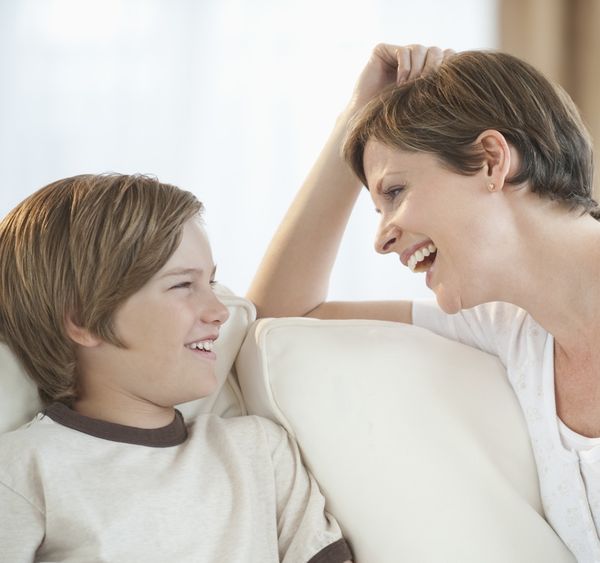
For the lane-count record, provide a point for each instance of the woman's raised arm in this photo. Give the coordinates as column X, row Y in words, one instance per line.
column 293, row 277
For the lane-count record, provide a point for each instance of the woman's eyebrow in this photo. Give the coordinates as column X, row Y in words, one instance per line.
column 379, row 184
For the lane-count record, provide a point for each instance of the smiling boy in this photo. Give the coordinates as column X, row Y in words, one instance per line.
column 106, row 297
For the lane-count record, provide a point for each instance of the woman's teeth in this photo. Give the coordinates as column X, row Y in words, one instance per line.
column 416, row 262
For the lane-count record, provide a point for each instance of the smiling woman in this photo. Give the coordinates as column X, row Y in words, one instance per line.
column 417, row 219
column 481, row 172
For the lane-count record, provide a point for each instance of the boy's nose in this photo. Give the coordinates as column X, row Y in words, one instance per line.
column 217, row 313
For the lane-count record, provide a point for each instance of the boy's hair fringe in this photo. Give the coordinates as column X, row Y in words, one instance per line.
column 77, row 249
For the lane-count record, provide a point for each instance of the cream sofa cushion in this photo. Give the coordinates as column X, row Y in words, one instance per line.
column 418, row 442
column 19, row 400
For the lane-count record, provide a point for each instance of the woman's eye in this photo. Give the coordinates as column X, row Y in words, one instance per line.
column 182, row 285
column 394, row 192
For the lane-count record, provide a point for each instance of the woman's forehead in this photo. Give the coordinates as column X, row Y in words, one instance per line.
column 381, row 160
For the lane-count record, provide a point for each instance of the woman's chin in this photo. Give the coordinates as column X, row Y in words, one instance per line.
column 450, row 304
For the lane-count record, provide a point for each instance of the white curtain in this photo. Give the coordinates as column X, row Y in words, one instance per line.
column 230, row 99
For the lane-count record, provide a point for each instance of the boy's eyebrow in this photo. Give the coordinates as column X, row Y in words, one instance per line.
column 182, row 271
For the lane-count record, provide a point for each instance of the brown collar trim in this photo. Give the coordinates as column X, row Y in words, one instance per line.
column 173, row 434
column 337, row 552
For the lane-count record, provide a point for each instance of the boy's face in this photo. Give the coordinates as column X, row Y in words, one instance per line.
column 160, row 326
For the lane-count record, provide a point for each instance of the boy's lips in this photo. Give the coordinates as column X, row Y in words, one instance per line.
column 203, row 347
column 204, row 354
column 206, row 338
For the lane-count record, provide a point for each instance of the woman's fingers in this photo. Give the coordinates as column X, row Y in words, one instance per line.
column 409, row 61
column 394, row 64
column 448, row 53
column 387, row 57
column 433, row 59
column 418, row 56
column 415, row 60
column 403, row 62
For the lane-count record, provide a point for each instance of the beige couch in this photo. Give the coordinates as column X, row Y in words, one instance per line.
column 418, row 442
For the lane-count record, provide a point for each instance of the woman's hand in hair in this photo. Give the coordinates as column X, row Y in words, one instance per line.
column 393, row 65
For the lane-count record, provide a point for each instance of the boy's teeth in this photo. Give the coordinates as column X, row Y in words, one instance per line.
column 205, row 345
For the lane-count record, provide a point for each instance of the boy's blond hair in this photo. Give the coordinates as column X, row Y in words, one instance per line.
column 78, row 248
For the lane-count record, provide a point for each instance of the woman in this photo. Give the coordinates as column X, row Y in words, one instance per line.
column 481, row 171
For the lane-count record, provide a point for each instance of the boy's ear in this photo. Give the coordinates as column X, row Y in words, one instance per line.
column 79, row 334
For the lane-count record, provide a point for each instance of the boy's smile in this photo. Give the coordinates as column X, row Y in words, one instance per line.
column 168, row 327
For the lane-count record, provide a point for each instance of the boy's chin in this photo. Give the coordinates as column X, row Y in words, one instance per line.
column 207, row 387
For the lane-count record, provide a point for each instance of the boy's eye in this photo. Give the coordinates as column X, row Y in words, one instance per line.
column 187, row 284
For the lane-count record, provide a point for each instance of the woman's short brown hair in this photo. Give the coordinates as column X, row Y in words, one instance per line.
column 445, row 111
column 79, row 248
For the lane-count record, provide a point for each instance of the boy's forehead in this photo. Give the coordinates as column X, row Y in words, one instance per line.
column 193, row 254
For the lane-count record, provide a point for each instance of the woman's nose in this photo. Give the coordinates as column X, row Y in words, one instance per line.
column 386, row 238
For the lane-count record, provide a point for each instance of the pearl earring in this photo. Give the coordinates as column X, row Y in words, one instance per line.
column 492, row 187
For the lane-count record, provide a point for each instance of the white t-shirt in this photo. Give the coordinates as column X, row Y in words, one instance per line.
column 76, row 489
column 569, row 479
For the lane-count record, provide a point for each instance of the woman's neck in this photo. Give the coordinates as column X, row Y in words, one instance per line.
column 556, row 277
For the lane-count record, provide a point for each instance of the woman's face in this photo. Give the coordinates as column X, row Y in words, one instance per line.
column 422, row 204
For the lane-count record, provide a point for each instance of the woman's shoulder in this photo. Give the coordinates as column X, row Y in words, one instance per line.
column 499, row 313
column 493, row 314
column 494, row 327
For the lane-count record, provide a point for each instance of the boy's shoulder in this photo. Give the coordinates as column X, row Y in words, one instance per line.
column 250, row 429
column 29, row 440
column 30, row 433
column 22, row 450
column 244, row 424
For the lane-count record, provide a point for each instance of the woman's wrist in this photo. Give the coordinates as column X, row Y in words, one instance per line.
column 353, row 108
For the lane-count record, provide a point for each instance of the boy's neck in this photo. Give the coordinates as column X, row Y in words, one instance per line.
column 133, row 413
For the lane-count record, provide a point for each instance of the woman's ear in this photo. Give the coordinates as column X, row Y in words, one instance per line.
column 80, row 335
column 498, row 159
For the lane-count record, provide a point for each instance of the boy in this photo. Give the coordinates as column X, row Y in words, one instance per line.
column 106, row 298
